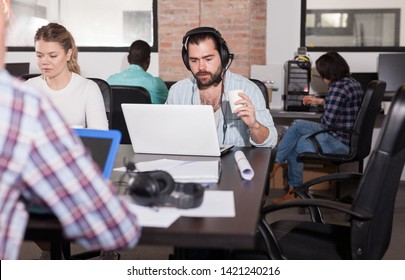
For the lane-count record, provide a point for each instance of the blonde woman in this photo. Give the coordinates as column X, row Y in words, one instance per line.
column 78, row 99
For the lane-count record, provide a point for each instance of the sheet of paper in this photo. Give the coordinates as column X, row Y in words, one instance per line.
column 153, row 217
column 215, row 204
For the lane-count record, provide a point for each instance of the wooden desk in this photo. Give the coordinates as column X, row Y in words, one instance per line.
column 238, row 232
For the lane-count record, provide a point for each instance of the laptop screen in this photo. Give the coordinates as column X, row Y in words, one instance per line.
column 18, row 69
column 103, row 146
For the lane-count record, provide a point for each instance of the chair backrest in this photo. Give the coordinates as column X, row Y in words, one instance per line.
column 169, row 84
column 126, row 94
column 107, row 96
column 363, row 127
column 104, row 88
column 263, row 89
column 379, row 184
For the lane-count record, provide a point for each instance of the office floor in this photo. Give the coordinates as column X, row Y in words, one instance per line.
column 395, row 252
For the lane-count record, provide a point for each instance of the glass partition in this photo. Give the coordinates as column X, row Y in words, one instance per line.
column 359, row 25
column 95, row 24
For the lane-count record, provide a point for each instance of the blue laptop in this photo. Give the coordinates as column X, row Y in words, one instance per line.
column 103, row 146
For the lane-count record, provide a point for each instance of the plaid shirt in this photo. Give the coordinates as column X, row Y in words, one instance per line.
column 42, row 161
column 342, row 104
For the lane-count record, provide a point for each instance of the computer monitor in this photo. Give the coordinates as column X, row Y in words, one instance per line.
column 364, row 78
column 391, row 69
column 18, row 69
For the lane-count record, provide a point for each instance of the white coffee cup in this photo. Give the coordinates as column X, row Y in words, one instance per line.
column 233, row 97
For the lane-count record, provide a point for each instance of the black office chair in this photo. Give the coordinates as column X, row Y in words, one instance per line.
column 170, row 83
column 367, row 233
column 126, row 94
column 104, row 88
column 263, row 89
column 361, row 134
column 107, row 97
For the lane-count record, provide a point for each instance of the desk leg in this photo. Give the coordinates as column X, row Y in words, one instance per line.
column 56, row 250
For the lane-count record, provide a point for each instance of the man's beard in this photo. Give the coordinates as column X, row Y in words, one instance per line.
column 207, row 81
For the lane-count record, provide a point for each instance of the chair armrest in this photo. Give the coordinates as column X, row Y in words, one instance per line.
column 303, row 190
column 318, row 148
column 332, row 129
column 324, row 203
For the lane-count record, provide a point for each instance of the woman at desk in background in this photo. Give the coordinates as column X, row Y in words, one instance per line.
column 78, row 99
column 341, row 105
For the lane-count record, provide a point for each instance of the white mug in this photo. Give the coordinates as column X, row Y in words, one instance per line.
column 233, row 97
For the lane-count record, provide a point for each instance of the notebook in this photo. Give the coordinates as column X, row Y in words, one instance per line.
column 103, row 146
column 172, row 129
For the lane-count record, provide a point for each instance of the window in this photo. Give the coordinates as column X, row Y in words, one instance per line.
column 96, row 25
column 353, row 25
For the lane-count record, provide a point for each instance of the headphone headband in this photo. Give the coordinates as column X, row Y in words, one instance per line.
column 157, row 188
column 225, row 55
column 200, row 30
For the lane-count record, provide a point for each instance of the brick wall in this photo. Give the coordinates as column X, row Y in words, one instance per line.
column 242, row 23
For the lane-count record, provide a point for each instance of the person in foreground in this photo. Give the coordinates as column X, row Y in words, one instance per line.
column 43, row 162
column 341, row 106
column 136, row 75
column 206, row 55
column 78, row 99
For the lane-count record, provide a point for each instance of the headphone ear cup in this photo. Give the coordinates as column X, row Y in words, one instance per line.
column 186, row 196
column 224, row 52
column 184, row 55
column 148, row 188
column 164, row 182
column 142, row 189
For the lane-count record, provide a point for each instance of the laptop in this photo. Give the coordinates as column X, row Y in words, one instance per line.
column 18, row 69
column 173, row 129
column 103, row 146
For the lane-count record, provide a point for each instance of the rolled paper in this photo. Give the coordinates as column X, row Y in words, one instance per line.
column 245, row 169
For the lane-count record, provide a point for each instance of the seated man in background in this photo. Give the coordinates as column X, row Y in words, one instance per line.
column 136, row 75
column 43, row 162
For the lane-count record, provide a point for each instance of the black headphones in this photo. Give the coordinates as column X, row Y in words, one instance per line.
column 157, row 188
column 226, row 56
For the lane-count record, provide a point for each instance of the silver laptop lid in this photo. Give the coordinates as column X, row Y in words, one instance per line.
column 172, row 129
